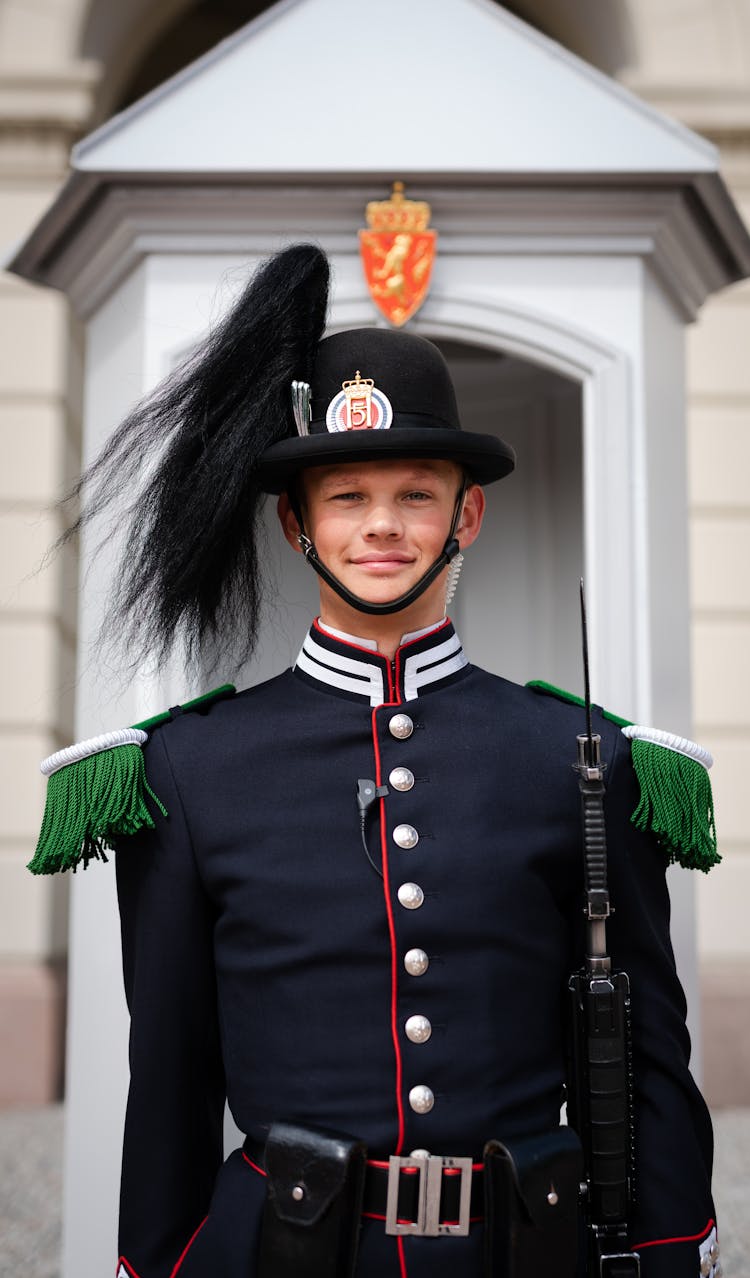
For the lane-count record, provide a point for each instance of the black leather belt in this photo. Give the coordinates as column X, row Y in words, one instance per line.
column 429, row 1194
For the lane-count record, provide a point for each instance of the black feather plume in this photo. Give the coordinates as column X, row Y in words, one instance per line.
column 190, row 567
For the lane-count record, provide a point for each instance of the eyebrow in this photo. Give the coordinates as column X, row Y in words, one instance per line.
column 339, row 477
column 336, row 478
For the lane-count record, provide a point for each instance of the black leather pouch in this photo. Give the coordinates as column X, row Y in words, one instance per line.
column 313, row 1208
column 532, row 1187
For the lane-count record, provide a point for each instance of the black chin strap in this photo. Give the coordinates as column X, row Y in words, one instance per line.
column 449, row 552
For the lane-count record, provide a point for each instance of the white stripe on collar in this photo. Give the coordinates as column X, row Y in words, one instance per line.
column 436, row 663
column 343, row 672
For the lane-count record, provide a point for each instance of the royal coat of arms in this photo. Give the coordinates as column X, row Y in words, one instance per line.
column 397, row 254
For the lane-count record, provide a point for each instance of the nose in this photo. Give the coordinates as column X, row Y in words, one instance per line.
column 382, row 520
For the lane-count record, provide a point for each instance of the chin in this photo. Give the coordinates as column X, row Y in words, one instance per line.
column 381, row 589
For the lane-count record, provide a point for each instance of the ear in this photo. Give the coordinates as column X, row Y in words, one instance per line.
column 289, row 522
column 471, row 516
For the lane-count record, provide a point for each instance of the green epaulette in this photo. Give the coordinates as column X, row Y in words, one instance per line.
column 676, row 802
column 97, row 790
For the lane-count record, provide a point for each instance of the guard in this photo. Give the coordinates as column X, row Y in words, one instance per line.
column 358, row 901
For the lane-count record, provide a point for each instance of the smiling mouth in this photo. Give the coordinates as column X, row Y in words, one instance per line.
column 382, row 563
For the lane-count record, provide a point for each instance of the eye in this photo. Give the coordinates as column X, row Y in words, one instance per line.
column 353, row 496
column 418, row 495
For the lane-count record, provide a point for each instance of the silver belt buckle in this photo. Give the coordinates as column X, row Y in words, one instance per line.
column 632, row 1257
column 430, row 1168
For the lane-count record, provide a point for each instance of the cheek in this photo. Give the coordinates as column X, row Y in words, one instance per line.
column 332, row 529
column 429, row 529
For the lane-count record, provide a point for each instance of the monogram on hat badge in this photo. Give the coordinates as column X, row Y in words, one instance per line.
column 359, row 405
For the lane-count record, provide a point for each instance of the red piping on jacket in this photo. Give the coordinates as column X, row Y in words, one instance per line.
column 401, row 1256
column 391, row 926
column 178, row 1266
column 122, row 1261
column 392, row 938
column 254, row 1166
column 662, row 1242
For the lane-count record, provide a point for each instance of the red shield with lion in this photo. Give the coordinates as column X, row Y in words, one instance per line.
column 397, row 254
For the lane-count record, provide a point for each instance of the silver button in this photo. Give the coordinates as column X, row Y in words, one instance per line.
column 416, row 962
column 298, row 1193
column 401, row 726
column 405, row 836
column 713, row 1252
column 421, row 1099
column 706, row 1265
column 420, row 1153
column 411, row 896
column 418, row 1029
column 718, row 1270
column 401, row 779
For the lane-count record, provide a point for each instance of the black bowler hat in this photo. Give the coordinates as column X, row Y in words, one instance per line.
column 376, row 394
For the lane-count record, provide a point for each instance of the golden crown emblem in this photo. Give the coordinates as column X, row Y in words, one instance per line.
column 398, row 214
column 358, row 383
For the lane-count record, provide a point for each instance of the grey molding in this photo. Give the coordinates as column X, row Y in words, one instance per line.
column 99, row 229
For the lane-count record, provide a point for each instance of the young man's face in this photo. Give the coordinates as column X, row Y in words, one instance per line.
column 379, row 525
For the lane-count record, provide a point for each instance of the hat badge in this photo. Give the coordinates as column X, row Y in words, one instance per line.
column 359, row 405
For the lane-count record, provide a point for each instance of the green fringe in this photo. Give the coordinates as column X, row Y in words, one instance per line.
column 676, row 804
column 92, row 802
column 89, row 803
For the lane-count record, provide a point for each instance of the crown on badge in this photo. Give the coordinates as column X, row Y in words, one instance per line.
column 398, row 214
column 358, row 383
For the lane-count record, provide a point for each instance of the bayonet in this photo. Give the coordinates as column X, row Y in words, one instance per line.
column 586, row 679
column 600, row 1082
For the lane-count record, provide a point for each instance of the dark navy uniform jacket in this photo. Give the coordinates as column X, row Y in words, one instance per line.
column 267, row 961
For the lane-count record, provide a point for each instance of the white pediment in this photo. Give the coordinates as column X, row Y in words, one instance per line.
column 398, row 87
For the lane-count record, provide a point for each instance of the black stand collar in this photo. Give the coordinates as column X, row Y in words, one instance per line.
column 361, row 674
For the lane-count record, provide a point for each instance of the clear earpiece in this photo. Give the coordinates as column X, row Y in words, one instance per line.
column 454, row 572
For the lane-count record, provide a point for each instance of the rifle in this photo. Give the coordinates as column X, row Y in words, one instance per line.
column 600, row 1082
